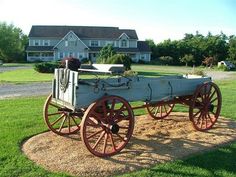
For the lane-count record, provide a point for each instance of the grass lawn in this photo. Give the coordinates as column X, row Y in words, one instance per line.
column 22, row 118
column 24, row 76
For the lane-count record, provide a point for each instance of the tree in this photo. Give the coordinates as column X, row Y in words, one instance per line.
column 232, row 49
column 12, row 43
column 153, row 48
column 187, row 58
column 105, row 53
column 120, row 59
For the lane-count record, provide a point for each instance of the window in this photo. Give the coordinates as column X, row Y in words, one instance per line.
column 123, row 43
column 47, row 54
column 46, row 43
column 61, row 55
column 66, row 43
column 36, row 42
column 94, row 44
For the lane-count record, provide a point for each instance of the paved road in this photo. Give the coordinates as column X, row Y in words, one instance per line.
column 19, row 90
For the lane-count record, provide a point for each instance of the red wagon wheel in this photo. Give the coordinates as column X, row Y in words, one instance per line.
column 205, row 107
column 107, row 126
column 59, row 119
column 159, row 111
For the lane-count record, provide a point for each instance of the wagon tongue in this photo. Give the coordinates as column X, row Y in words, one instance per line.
column 115, row 128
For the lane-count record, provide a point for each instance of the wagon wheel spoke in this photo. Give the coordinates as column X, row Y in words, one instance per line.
column 72, row 117
column 212, row 101
column 110, row 136
column 56, row 113
column 112, row 142
column 55, row 105
column 210, row 118
column 212, row 95
column 62, row 123
column 57, row 120
column 121, row 138
column 105, row 143
column 98, row 140
column 94, row 134
column 157, row 109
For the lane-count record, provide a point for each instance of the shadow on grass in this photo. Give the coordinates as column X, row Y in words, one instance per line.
column 205, row 164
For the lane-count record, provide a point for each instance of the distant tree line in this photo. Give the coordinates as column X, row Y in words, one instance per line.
column 12, row 43
column 194, row 49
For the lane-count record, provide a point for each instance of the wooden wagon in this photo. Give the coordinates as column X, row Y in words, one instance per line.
column 100, row 108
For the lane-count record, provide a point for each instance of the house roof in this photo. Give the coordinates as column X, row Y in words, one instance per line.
column 39, row 48
column 95, row 32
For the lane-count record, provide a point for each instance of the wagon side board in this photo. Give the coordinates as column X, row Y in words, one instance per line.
column 81, row 94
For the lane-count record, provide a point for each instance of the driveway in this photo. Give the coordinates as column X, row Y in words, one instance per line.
column 21, row 90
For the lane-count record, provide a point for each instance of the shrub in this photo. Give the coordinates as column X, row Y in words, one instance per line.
column 198, row 72
column 46, row 67
column 120, row 59
column 223, row 68
column 166, row 59
column 130, row 73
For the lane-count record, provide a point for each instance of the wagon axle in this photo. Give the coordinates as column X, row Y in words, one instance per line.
column 115, row 128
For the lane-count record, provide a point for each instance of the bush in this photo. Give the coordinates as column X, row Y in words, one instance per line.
column 120, row 59
column 166, row 59
column 198, row 72
column 223, row 68
column 46, row 67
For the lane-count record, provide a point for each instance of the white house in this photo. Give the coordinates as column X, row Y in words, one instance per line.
column 47, row 43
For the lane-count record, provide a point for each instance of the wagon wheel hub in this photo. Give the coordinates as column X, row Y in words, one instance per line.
column 115, row 128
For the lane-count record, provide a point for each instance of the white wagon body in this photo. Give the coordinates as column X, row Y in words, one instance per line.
column 70, row 91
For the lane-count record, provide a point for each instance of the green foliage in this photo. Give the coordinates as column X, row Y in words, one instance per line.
column 198, row 72
column 46, row 67
column 154, row 49
column 187, row 59
column 120, row 59
column 232, row 49
column 86, row 61
column 199, row 46
column 105, row 53
column 223, row 68
column 166, row 59
column 130, row 73
column 12, row 43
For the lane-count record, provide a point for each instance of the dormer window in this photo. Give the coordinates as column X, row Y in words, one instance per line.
column 124, row 43
column 66, row 43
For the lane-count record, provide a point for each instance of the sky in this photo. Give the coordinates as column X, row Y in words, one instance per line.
column 152, row 19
